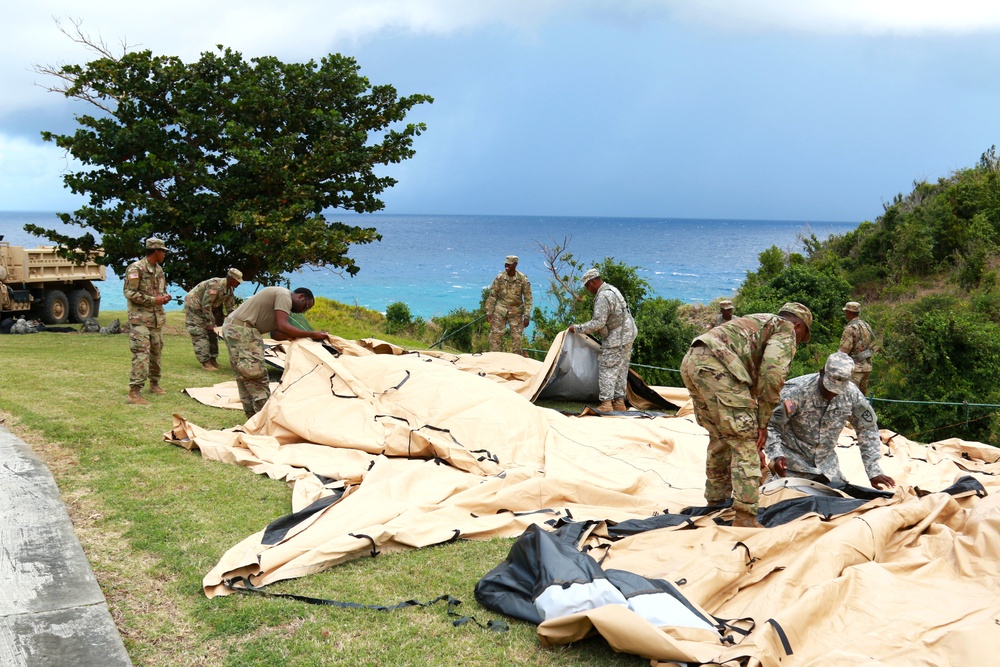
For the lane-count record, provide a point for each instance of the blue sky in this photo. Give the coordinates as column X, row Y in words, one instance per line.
column 763, row 109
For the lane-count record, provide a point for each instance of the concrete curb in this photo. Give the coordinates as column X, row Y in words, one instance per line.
column 52, row 611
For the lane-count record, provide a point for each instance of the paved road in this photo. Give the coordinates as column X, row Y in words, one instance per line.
column 52, row 612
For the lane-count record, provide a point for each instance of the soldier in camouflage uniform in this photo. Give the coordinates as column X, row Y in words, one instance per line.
column 204, row 307
column 145, row 290
column 263, row 314
column 858, row 341
column 509, row 304
column 734, row 374
column 724, row 315
column 803, row 431
column 613, row 322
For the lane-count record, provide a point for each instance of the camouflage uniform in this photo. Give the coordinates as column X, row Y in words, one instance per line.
column 734, row 374
column 246, row 358
column 200, row 307
column 858, row 340
column 508, row 303
column 143, row 283
column 613, row 322
column 804, row 428
column 246, row 344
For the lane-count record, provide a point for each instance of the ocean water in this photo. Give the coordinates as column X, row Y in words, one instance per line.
column 437, row 263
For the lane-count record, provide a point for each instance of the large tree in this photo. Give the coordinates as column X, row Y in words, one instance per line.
column 231, row 162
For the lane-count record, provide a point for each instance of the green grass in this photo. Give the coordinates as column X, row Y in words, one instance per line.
column 154, row 519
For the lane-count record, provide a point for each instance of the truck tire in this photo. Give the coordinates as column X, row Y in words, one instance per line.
column 81, row 306
column 56, row 308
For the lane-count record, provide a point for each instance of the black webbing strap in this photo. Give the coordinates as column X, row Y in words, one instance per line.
column 726, row 625
column 375, row 551
column 243, row 585
column 751, row 559
column 781, row 635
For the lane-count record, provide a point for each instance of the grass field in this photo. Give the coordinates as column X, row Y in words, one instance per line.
column 154, row 519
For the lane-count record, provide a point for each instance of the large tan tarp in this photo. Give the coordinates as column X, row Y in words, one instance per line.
column 427, row 448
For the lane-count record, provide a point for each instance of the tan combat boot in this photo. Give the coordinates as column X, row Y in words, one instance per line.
column 154, row 388
column 745, row 520
column 605, row 406
column 619, row 404
column 135, row 398
column 209, row 366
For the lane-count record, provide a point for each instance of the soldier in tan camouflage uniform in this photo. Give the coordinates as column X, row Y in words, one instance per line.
column 613, row 322
column 724, row 315
column 804, row 428
column 204, row 307
column 858, row 341
column 145, row 290
column 509, row 304
column 734, row 374
column 263, row 314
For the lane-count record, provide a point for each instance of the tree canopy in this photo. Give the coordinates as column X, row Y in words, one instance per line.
column 231, row 162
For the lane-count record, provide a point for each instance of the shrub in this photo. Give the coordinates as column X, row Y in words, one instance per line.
column 397, row 317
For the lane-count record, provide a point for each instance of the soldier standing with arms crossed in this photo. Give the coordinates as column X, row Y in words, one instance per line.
column 509, row 303
column 858, row 341
column 734, row 374
column 145, row 290
column 200, row 307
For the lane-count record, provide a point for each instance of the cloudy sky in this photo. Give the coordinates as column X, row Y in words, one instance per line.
column 752, row 109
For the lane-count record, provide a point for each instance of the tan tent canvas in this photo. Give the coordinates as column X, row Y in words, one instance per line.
column 404, row 450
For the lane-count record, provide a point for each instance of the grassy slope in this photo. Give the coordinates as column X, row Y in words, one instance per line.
column 154, row 519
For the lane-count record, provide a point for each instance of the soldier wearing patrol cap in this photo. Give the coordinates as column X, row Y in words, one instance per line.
column 734, row 374
column 509, row 304
column 724, row 315
column 858, row 341
column 145, row 290
column 803, row 432
column 613, row 322
column 205, row 307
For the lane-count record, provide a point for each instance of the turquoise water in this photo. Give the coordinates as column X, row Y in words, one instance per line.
column 435, row 263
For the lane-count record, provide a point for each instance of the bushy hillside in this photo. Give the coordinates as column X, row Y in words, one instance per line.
column 926, row 273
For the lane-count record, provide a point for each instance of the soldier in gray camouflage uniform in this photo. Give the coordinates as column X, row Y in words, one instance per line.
column 145, row 290
column 724, row 315
column 509, row 304
column 858, row 341
column 204, row 307
column 613, row 322
column 734, row 374
column 802, row 435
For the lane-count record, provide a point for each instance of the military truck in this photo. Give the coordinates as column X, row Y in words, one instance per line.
column 37, row 283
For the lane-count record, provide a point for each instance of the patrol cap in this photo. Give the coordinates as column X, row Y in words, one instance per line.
column 589, row 275
column 837, row 372
column 801, row 312
column 511, row 259
column 235, row 274
column 725, row 304
column 852, row 307
column 153, row 243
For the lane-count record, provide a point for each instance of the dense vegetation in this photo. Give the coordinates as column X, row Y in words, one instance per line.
column 926, row 274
